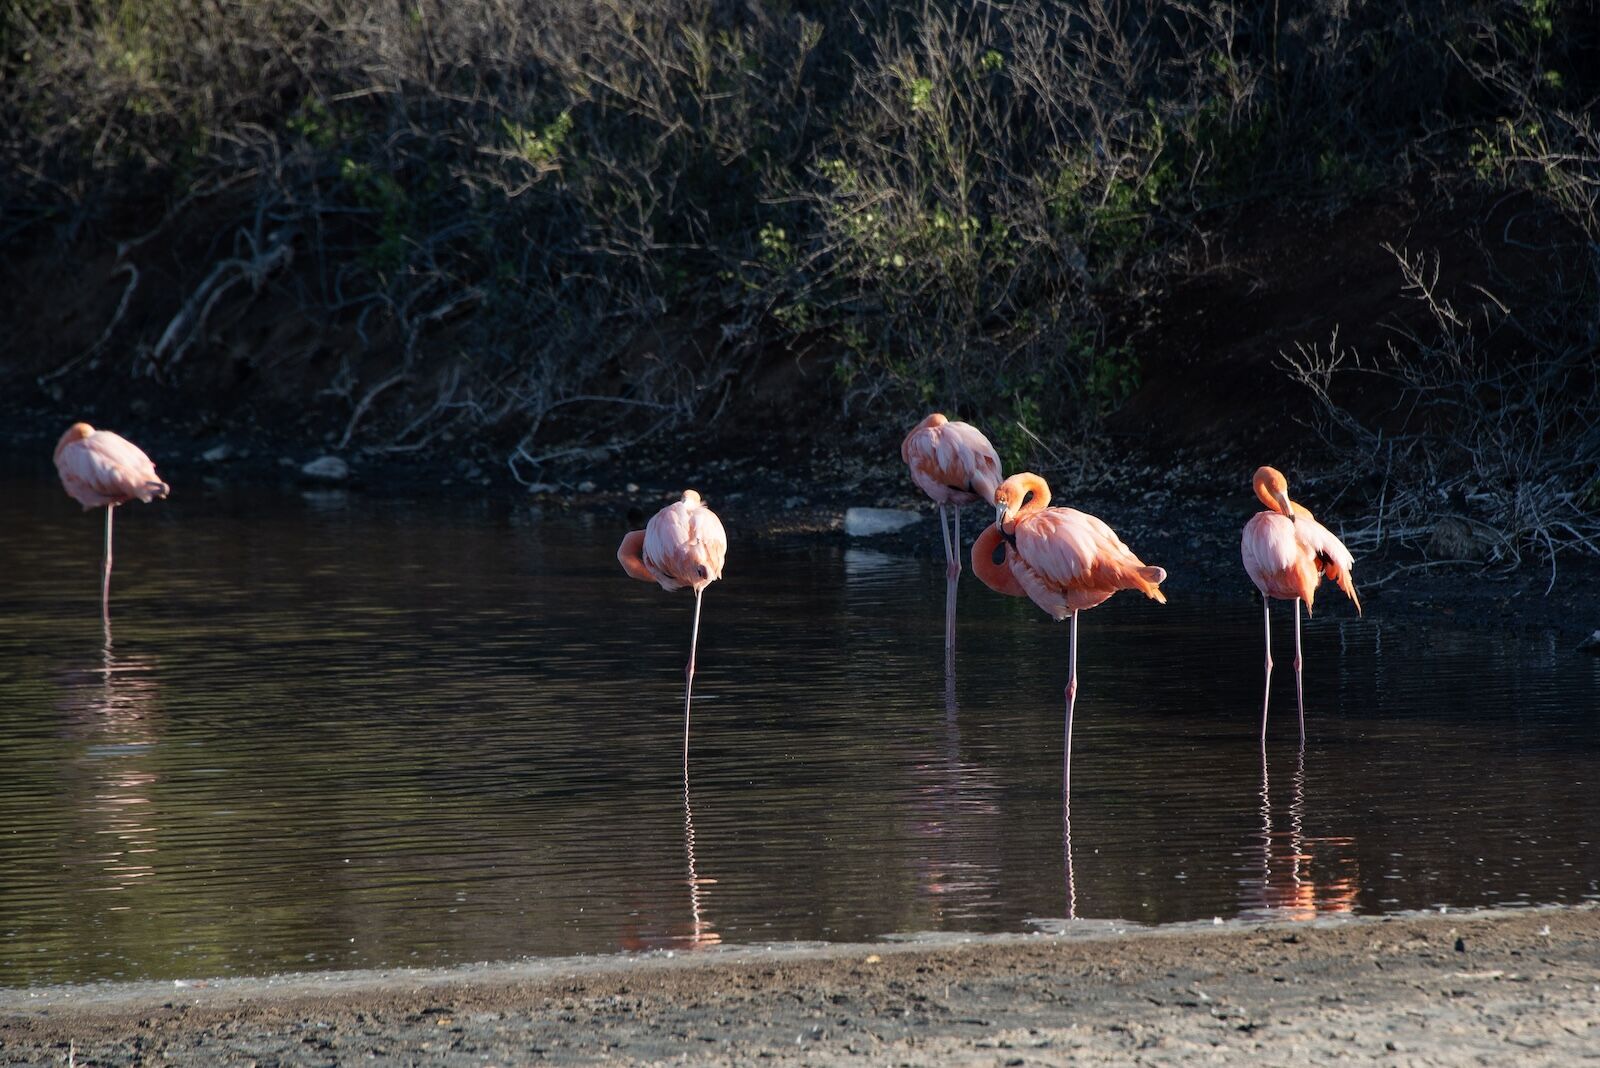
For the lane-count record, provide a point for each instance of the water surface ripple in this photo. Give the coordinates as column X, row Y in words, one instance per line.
column 335, row 732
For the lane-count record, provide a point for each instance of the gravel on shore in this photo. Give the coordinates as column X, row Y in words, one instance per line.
column 1494, row 987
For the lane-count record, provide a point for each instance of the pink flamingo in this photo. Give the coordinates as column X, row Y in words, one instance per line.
column 99, row 468
column 1064, row 559
column 1286, row 553
column 682, row 545
column 954, row 464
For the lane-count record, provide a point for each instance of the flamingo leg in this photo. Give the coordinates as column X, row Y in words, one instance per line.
column 105, row 571
column 1299, row 689
column 688, row 681
column 1266, row 692
column 954, row 567
column 1072, row 698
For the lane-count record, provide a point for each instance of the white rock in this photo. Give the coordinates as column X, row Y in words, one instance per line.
column 586, row 486
column 1591, row 643
column 217, row 453
column 865, row 522
column 327, row 469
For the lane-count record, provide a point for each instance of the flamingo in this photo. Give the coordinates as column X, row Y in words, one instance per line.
column 682, row 545
column 1063, row 559
column 99, row 468
column 1286, row 553
column 954, row 464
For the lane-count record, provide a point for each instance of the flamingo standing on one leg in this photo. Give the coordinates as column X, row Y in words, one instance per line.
column 1286, row 553
column 682, row 545
column 1064, row 559
column 99, row 468
column 955, row 465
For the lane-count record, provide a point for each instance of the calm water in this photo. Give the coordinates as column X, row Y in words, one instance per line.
column 341, row 732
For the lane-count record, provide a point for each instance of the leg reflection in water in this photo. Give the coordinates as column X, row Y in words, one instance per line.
column 701, row 931
column 1293, row 885
column 1066, row 852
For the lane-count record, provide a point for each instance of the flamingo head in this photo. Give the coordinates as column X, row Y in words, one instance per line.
column 692, row 499
column 75, row 432
column 1025, row 492
column 1273, row 489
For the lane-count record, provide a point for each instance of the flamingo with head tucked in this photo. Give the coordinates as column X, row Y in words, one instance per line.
column 1286, row 553
column 102, row 469
column 954, row 464
column 1063, row 559
column 682, row 545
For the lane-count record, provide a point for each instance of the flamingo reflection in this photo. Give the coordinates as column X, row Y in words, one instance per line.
column 953, row 880
column 1289, row 886
column 111, row 708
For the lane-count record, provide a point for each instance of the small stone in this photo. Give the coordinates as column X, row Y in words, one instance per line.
column 217, row 453
column 586, row 486
column 867, row 522
column 1461, row 945
column 632, row 487
column 542, row 487
column 326, row 469
column 1591, row 644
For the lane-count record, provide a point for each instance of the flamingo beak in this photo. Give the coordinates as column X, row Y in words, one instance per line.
column 1283, row 503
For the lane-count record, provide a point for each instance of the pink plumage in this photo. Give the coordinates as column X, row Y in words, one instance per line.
column 682, row 545
column 1286, row 552
column 953, row 463
column 1069, row 560
column 99, row 468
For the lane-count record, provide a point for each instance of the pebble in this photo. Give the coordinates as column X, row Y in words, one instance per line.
column 217, row 453
column 326, row 469
column 586, row 486
column 1591, row 644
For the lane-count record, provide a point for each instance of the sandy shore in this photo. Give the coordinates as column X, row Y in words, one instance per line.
column 1502, row 987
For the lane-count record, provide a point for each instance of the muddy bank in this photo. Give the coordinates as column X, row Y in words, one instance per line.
column 1494, row 987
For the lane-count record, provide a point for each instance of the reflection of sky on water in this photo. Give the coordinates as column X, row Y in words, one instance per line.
column 358, row 732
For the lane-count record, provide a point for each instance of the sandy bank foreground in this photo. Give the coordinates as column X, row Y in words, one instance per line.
column 1495, row 988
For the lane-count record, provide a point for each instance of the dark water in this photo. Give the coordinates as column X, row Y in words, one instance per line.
column 335, row 733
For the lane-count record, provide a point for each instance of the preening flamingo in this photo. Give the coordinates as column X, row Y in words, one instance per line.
column 99, row 468
column 1064, row 559
column 1286, row 553
column 954, row 464
column 682, row 545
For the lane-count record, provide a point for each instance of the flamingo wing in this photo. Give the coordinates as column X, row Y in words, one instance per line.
column 1082, row 558
column 1332, row 558
column 953, row 463
column 709, row 540
column 974, row 456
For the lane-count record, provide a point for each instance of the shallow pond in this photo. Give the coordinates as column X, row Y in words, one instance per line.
column 335, row 731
